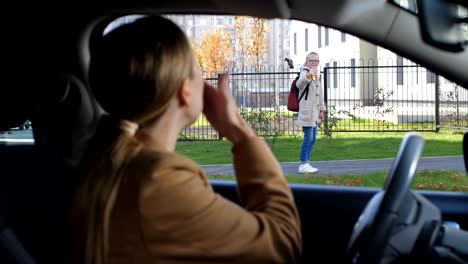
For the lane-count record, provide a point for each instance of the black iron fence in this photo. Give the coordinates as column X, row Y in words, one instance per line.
column 392, row 98
column 262, row 99
column 361, row 98
column 452, row 105
column 380, row 98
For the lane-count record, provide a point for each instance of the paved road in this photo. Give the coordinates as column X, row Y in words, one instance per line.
column 290, row 168
column 354, row 166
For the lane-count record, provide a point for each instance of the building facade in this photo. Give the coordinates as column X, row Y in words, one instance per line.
column 363, row 79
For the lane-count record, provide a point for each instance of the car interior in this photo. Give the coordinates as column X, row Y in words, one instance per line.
column 46, row 48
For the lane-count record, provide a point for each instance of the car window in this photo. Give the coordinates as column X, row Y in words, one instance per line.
column 372, row 96
column 409, row 5
column 121, row 21
column 21, row 134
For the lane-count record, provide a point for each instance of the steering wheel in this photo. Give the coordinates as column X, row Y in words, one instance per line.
column 372, row 231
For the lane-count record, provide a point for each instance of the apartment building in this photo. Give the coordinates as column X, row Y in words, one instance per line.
column 363, row 76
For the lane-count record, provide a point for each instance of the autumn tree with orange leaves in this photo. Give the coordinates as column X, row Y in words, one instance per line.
column 247, row 46
column 258, row 47
column 250, row 41
column 241, row 24
column 214, row 53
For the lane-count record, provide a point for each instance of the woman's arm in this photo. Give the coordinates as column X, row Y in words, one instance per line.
column 183, row 219
column 305, row 78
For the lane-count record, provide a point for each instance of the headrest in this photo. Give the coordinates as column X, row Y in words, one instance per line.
column 90, row 39
column 66, row 116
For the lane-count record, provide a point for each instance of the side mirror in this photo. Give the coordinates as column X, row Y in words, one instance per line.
column 440, row 24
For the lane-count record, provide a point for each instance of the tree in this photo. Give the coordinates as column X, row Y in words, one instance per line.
column 198, row 53
column 241, row 39
column 258, row 47
column 215, row 51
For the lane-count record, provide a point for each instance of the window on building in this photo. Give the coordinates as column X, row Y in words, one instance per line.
column 343, row 37
column 319, row 37
column 326, row 37
column 430, row 76
column 335, row 75
column 295, row 43
column 353, row 73
column 327, row 76
column 306, row 36
column 416, row 72
column 399, row 70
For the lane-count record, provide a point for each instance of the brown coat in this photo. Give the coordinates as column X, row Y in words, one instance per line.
column 169, row 213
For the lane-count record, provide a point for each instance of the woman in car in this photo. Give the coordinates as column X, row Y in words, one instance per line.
column 136, row 200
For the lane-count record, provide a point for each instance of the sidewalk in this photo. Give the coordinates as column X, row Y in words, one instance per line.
column 340, row 167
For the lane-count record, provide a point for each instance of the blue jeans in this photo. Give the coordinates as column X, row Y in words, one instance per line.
column 310, row 133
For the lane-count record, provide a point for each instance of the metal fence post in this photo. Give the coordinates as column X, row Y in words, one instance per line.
column 325, row 94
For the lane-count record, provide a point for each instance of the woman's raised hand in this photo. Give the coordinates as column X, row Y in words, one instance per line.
column 222, row 112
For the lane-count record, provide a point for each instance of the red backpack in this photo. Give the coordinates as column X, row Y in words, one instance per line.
column 293, row 97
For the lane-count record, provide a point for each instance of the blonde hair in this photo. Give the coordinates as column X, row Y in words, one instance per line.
column 311, row 53
column 134, row 72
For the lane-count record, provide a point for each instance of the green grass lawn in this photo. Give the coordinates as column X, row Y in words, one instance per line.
column 343, row 146
column 424, row 180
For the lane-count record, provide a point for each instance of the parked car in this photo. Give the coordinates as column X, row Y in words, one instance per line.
column 45, row 53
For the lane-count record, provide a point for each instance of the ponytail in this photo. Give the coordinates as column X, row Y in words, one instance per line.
column 100, row 177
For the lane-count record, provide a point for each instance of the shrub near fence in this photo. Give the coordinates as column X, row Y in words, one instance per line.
column 361, row 98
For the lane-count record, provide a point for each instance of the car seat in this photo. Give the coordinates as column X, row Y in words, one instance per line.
column 11, row 115
column 34, row 184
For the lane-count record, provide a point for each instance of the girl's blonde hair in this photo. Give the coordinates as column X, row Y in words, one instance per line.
column 134, row 72
column 310, row 53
